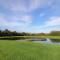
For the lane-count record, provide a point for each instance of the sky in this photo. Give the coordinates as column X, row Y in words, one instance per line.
column 30, row 15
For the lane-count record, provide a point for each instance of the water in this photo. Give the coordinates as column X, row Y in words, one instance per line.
column 43, row 41
column 47, row 40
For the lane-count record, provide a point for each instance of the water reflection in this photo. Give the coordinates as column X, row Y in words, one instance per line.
column 49, row 41
column 43, row 41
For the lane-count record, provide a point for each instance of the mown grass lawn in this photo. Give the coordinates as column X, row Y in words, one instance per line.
column 13, row 50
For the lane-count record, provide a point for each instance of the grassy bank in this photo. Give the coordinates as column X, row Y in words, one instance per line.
column 27, row 37
column 12, row 50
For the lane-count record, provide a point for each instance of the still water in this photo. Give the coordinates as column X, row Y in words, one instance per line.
column 47, row 40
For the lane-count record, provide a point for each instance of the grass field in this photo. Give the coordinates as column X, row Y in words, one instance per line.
column 13, row 50
column 27, row 37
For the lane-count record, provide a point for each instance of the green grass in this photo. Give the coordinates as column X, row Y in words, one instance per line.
column 13, row 50
column 27, row 37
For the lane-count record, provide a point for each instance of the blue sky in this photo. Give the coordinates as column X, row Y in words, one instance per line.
column 30, row 15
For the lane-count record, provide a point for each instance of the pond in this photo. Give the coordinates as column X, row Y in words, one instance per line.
column 47, row 40
column 42, row 41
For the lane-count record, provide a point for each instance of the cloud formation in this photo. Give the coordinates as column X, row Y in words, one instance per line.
column 51, row 24
column 53, row 21
column 16, row 23
column 22, row 16
column 20, row 6
column 23, row 5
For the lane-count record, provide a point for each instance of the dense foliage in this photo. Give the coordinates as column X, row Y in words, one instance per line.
column 54, row 33
column 7, row 32
column 12, row 33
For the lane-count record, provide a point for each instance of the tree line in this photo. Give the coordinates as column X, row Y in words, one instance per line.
column 7, row 32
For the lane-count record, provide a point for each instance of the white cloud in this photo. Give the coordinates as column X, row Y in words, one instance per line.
column 35, row 4
column 16, row 23
column 26, row 19
column 14, row 5
column 4, row 22
column 52, row 24
column 22, row 5
column 53, row 21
